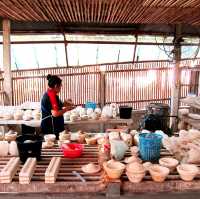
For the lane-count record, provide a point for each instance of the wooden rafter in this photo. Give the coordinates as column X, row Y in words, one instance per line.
column 103, row 11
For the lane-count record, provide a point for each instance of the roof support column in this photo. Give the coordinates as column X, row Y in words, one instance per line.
column 7, row 83
column 176, row 85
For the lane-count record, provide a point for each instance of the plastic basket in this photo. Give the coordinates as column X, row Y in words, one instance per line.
column 72, row 150
column 90, row 105
column 149, row 146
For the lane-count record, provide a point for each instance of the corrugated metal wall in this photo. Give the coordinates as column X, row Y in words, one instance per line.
column 132, row 84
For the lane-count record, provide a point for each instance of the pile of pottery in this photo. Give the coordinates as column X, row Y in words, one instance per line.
column 81, row 113
column 185, row 147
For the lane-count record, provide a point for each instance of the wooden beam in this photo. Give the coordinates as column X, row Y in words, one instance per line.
column 176, row 79
column 7, row 63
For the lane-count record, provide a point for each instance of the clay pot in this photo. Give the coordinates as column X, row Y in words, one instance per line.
column 170, row 163
column 49, row 137
column 131, row 159
column 47, row 145
column 13, row 150
column 60, row 142
column 81, row 137
column 4, row 148
column 135, row 172
column 134, row 151
column 135, row 177
column 114, row 169
column 187, row 172
column 147, row 165
column 91, row 168
column 158, row 173
column 64, row 136
column 11, row 136
column 90, row 140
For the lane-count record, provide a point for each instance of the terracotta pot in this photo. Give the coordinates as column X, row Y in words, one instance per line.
column 91, row 140
column 170, row 163
column 135, row 177
column 10, row 136
column 187, row 172
column 81, row 137
column 158, row 173
column 64, row 136
column 147, row 165
column 132, row 159
column 114, row 169
column 134, row 151
column 135, row 167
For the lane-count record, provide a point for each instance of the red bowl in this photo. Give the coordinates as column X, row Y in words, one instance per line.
column 72, row 150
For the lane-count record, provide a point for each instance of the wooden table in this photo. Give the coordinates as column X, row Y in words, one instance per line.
column 101, row 122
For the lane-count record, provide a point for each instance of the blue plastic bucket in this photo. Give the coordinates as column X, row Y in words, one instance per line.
column 149, row 146
column 90, row 105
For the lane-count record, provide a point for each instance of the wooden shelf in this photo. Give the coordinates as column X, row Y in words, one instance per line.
column 36, row 123
column 193, row 122
column 190, row 103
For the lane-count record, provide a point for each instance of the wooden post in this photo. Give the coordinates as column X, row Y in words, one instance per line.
column 194, row 82
column 7, row 83
column 176, row 79
column 102, row 88
column 113, row 190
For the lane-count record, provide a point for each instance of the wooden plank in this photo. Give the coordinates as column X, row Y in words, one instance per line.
column 9, row 170
column 27, row 171
column 52, row 170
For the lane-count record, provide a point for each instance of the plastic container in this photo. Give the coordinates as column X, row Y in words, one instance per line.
column 90, row 105
column 29, row 146
column 149, row 146
column 72, row 150
column 125, row 112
